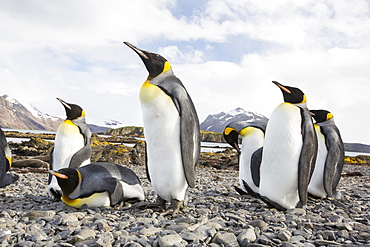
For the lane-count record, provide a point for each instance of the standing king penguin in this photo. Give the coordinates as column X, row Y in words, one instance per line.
column 250, row 155
column 330, row 156
column 171, row 129
column 72, row 145
column 98, row 184
column 5, row 162
column 289, row 152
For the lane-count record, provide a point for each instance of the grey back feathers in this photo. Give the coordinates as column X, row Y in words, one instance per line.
column 308, row 155
column 100, row 177
column 84, row 153
column 335, row 157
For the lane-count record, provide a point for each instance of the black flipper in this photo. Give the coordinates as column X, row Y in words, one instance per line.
column 116, row 191
column 51, row 166
column 256, row 160
column 334, row 160
column 84, row 153
column 250, row 191
column 308, row 155
column 240, row 191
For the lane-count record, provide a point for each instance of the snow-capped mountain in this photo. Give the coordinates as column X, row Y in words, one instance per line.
column 110, row 124
column 16, row 115
column 218, row 122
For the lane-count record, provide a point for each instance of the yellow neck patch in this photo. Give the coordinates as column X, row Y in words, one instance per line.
column 166, row 67
column 228, row 130
column 304, row 99
column 329, row 116
column 9, row 160
column 246, row 131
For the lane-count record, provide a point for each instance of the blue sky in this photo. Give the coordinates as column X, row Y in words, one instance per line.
column 225, row 52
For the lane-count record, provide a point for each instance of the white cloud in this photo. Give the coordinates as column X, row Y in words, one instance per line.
column 73, row 50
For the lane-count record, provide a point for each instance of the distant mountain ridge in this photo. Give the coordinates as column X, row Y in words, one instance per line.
column 218, row 122
column 16, row 115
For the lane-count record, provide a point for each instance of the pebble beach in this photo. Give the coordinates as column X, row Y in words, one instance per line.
column 215, row 216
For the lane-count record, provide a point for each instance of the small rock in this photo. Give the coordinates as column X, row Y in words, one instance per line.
column 247, row 234
column 42, row 215
column 228, row 240
column 284, row 235
column 169, row 240
column 85, row 234
column 105, row 239
column 260, row 224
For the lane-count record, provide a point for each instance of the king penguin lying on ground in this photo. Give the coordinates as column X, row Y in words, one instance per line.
column 5, row 162
column 72, row 145
column 250, row 155
column 330, row 156
column 171, row 129
column 289, row 152
column 98, row 184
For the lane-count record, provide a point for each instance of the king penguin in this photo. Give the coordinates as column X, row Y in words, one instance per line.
column 250, row 154
column 98, row 184
column 72, row 144
column 5, row 162
column 171, row 129
column 289, row 152
column 330, row 156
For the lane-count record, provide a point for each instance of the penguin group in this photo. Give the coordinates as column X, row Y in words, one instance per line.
column 282, row 161
column 290, row 157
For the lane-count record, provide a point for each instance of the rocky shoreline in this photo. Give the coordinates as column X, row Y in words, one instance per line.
column 215, row 214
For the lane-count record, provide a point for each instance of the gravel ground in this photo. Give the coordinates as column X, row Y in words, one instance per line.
column 215, row 216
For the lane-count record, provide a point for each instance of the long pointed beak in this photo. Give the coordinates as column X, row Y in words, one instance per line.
column 64, row 103
column 281, row 87
column 57, row 174
column 137, row 50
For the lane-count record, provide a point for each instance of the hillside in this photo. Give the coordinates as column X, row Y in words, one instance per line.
column 14, row 115
column 217, row 122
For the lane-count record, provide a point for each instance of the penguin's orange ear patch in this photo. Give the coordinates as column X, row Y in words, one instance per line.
column 57, row 174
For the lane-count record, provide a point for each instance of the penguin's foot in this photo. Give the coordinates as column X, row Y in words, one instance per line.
column 55, row 194
column 173, row 209
column 240, row 191
column 159, row 204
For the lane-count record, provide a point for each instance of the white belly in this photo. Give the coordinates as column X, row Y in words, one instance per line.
column 282, row 148
column 162, row 135
column 316, row 186
column 68, row 141
column 253, row 141
column 133, row 191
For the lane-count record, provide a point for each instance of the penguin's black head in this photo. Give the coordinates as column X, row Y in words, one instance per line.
column 73, row 111
column 291, row 95
column 154, row 63
column 67, row 178
column 231, row 136
column 321, row 116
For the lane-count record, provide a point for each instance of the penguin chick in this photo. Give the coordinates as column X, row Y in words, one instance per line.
column 250, row 155
column 171, row 129
column 289, row 152
column 98, row 184
column 72, row 144
column 5, row 162
column 330, row 157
